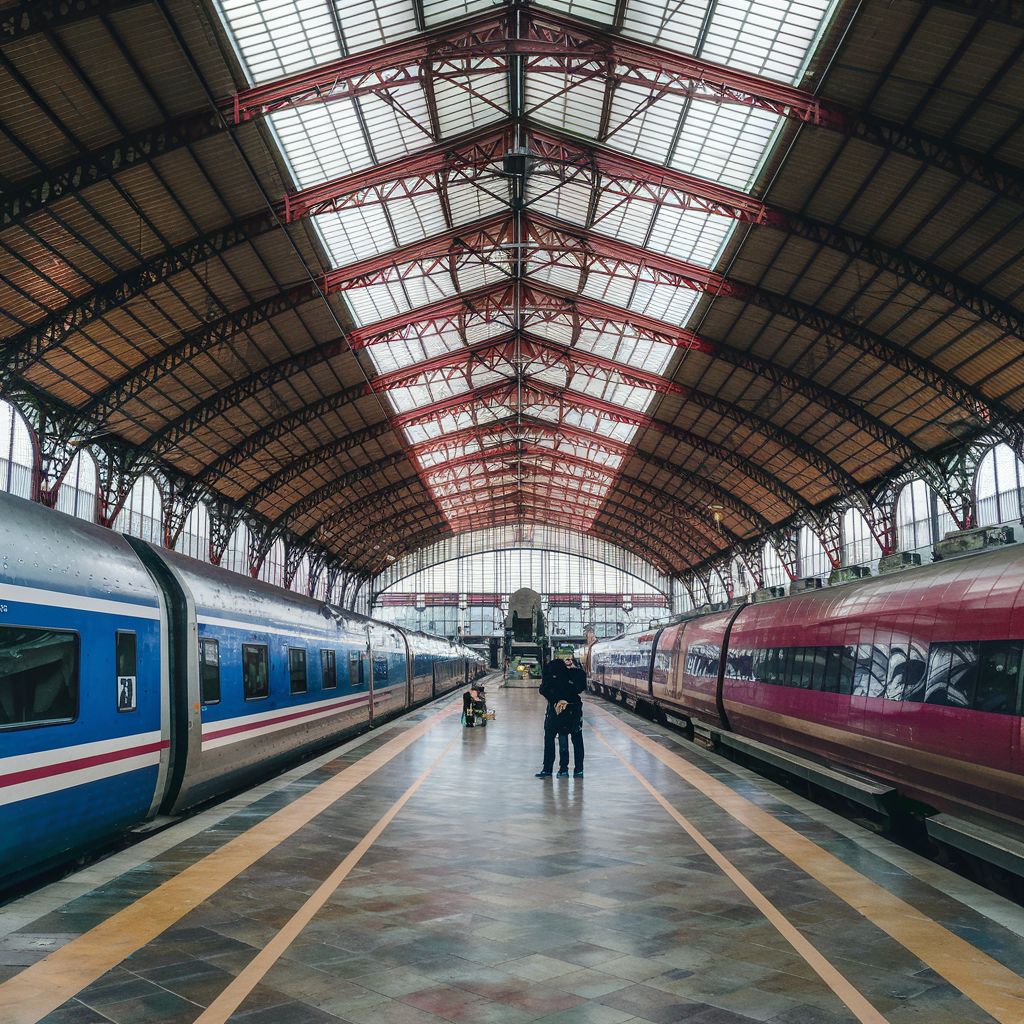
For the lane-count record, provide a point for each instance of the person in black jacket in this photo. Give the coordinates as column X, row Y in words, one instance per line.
column 561, row 685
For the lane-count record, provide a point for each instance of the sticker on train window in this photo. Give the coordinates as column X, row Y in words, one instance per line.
column 380, row 668
column 127, row 670
column 126, row 700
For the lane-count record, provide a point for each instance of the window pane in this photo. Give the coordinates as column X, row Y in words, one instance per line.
column 847, row 668
column 209, row 671
column 297, row 669
column 38, row 676
column 999, row 677
column 255, row 679
column 952, row 669
column 355, row 669
column 829, row 681
column 329, row 669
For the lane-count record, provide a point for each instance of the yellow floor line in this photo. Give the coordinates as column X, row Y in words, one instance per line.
column 855, row 1002
column 38, row 990
column 232, row 997
column 986, row 982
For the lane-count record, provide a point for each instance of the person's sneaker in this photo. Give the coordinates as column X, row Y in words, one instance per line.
column 562, row 773
column 542, row 775
column 578, row 774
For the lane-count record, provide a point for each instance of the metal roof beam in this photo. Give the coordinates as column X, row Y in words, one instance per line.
column 530, row 346
column 33, row 16
column 26, row 347
column 141, row 147
column 191, row 344
column 550, row 43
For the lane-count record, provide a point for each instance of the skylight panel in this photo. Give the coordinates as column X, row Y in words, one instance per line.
column 628, row 221
column 567, row 278
column 689, row 235
column 279, row 37
column 642, row 130
column 576, row 109
column 376, row 302
column 322, row 142
column 569, row 202
column 355, row 234
column 676, row 26
column 437, row 11
column 673, row 305
column 469, row 202
column 724, row 143
column 602, row 11
column 770, row 38
column 465, row 104
column 369, row 23
column 396, row 123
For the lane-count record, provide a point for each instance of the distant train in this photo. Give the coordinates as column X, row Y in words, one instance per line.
column 914, row 679
column 136, row 682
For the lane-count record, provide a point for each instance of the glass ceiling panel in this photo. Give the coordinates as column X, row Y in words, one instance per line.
column 719, row 142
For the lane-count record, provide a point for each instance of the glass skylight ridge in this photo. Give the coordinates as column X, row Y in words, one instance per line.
column 721, row 143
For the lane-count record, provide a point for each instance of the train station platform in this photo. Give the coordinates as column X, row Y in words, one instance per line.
column 420, row 874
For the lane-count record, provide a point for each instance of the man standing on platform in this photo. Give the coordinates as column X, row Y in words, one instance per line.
column 562, row 683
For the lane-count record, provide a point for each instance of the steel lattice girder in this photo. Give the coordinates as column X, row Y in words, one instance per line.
column 21, row 350
column 32, row 16
column 477, row 158
column 492, row 240
column 47, row 187
column 550, row 44
column 503, row 352
column 630, row 262
column 505, row 393
column 193, row 343
column 519, row 427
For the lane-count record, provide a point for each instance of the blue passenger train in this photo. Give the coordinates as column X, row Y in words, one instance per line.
column 136, row 682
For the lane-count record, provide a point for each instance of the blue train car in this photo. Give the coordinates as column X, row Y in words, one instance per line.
column 136, row 681
column 84, row 714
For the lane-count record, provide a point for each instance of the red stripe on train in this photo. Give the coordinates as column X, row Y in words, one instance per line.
column 62, row 767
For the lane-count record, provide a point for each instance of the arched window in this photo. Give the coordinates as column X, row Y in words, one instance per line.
column 236, row 554
column 320, row 591
column 142, row 514
column 812, row 558
column 742, row 581
column 17, row 453
column 77, row 492
column 859, row 544
column 272, row 569
column 334, row 597
column 998, row 486
column 716, row 586
column 194, row 539
column 775, row 574
column 300, row 582
column 914, row 516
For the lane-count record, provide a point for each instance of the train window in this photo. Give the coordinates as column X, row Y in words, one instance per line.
column 999, row 677
column 38, row 677
column 255, row 674
column 297, row 669
column 819, row 665
column 773, row 671
column 126, row 664
column 355, row 668
column 896, row 677
column 329, row 670
column 951, row 674
column 862, row 671
column 829, row 680
column 209, row 671
column 847, row 668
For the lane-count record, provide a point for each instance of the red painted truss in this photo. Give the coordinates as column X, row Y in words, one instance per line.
column 549, row 43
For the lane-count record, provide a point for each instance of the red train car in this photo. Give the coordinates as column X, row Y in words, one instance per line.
column 914, row 679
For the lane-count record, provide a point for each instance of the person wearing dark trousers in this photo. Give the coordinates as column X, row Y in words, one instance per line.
column 561, row 685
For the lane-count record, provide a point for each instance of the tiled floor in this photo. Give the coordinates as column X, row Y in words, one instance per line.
column 497, row 897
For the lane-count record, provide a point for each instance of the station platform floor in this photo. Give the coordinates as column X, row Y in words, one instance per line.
column 420, row 874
